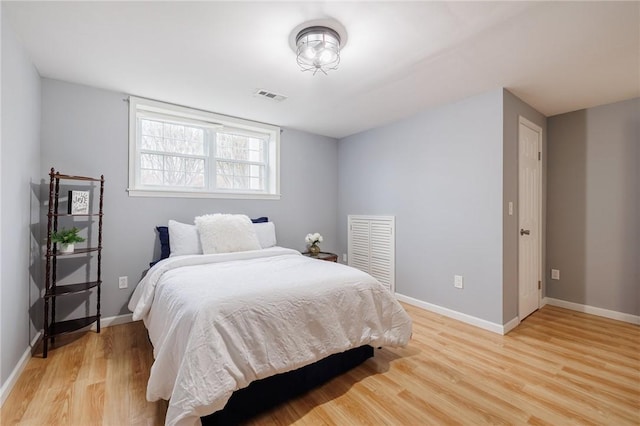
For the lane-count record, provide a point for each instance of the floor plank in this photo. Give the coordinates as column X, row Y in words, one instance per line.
column 557, row 367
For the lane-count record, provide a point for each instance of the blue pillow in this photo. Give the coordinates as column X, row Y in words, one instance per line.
column 165, row 248
column 260, row 220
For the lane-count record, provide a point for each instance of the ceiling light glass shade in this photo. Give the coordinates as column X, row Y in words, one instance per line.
column 318, row 49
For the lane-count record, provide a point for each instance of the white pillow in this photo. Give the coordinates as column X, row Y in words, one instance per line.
column 226, row 233
column 183, row 239
column 266, row 233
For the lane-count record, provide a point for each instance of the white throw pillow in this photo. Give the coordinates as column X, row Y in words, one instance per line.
column 266, row 233
column 226, row 233
column 183, row 239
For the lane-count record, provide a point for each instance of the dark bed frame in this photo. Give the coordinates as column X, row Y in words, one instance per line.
column 266, row 393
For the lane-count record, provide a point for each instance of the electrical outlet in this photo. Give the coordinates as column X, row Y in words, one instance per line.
column 344, row 257
column 123, row 282
column 555, row 274
column 510, row 208
column 458, row 281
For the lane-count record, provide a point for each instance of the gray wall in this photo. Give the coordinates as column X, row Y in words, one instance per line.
column 85, row 132
column 440, row 174
column 19, row 191
column 593, row 213
column 513, row 108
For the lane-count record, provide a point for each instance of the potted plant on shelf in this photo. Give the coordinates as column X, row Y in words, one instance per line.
column 67, row 239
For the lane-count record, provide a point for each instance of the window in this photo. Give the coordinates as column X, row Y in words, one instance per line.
column 181, row 152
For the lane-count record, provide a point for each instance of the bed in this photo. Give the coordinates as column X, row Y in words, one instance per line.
column 220, row 322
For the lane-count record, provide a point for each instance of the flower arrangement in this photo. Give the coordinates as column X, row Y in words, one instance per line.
column 313, row 240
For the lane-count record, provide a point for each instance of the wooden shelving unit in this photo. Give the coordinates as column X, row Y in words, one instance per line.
column 53, row 290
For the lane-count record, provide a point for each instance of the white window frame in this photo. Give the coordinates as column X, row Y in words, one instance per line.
column 215, row 121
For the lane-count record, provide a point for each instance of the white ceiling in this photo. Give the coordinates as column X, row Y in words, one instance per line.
column 401, row 57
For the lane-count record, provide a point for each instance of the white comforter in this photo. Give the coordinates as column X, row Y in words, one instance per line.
column 218, row 322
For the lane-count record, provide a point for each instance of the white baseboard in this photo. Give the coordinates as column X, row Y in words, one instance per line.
column 8, row 385
column 511, row 325
column 620, row 316
column 115, row 320
column 107, row 322
column 478, row 322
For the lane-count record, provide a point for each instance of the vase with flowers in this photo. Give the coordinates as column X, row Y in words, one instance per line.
column 313, row 241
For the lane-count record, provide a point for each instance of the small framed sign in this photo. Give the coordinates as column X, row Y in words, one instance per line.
column 78, row 202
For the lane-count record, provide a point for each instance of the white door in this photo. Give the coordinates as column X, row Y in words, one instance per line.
column 529, row 216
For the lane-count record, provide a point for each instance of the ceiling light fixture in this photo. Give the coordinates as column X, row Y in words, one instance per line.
column 318, row 49
column 317, row 45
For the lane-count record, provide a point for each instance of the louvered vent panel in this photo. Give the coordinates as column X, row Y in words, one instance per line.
column 359, row 245
column 360, row 262
column 372, row 247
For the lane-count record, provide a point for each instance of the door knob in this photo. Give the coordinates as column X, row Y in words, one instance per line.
column 524, row 232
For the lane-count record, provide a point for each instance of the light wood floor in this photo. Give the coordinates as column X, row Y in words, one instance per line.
column 558, row 367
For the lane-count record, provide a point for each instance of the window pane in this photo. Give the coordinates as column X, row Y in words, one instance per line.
column 240, row 182
column 176, row 132
column 224, row 181
column 255, row 144
column 194, row 180
column 255, row 171
column 173, row 178
column 151, row 177
column 194, row 165
column 150, row 161
column 256, row 184
column 238, row 147
column 151, row 143
column 170, row 137
column 172, row 171
column 194, row 141
column 151, row 127
column 174, row 164
column 224, row 168
column 235, row 154
column 242, row 176
column 256, row 155
column 240, row 169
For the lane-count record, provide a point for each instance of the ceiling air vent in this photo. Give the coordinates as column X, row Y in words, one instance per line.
column 265, row 94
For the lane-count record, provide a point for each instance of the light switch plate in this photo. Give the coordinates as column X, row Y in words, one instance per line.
column 555, row 274
column 458, row 281
column 123, row 282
